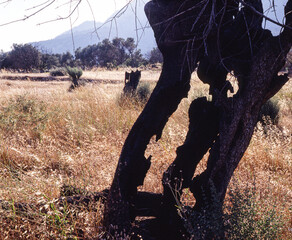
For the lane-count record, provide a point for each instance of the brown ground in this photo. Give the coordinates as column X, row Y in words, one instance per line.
column 50, row 137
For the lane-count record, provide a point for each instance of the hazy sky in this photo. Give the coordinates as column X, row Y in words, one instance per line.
column 30, row 30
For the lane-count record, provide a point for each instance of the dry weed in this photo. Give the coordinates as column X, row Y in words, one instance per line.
column 76, row 138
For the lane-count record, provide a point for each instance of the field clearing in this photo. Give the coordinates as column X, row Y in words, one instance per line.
column 50, row 138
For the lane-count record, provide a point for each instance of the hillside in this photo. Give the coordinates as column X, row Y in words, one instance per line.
column 129, row 23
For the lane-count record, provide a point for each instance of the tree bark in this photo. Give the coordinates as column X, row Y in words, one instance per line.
column 133, row 166
column 185, row 32
column 131, row 82
column 203, row 129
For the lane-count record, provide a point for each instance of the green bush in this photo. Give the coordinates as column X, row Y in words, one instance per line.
column 247, row 218
column 143, row 92
column 74, row 73
column 58, row 72
column 271, row 111
column 243, row 217
column 70, row 190
column 138, row 97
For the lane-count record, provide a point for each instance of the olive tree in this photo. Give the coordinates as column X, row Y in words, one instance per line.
column 217, row 38
column 25, row 57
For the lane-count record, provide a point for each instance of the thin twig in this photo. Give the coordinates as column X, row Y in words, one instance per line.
column 29, row 16
column 63, row 18
column 4, row 2
column 93, row 16
column 264, row 16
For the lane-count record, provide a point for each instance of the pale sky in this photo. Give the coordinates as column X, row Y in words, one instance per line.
column 30, row 30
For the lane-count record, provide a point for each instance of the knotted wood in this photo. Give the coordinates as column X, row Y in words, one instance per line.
column 221, row 37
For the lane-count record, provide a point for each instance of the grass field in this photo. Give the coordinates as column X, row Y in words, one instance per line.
column 51, row 138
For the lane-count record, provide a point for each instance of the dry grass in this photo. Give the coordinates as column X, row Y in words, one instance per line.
column 50, row 137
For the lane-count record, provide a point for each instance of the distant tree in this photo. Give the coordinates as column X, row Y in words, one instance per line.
column 3, row 56
column 87, row 56
column 136, row 59
column 25, row 57
column 110, row 53
column 107, row 53
column 130, row 45
column 118, row 52
column 154, row 56
column 48, row 61
column 67, row 59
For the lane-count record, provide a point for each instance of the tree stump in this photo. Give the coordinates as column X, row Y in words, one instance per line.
column 131, row 82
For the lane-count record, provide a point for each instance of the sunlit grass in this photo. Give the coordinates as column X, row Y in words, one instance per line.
column 50, row 137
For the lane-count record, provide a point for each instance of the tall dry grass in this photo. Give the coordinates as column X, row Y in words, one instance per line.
column 50, row 137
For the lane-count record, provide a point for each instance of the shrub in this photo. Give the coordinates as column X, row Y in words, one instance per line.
column 75, row 74
column 243, row 217
column 247, row 218
column 135, row 98
column 69, row 190
column 58, row 72
column 271, row 111
column 143, row 92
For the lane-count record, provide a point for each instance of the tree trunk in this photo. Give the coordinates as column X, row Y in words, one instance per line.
column 223, row 126
column 172, row 86
column 131, row 82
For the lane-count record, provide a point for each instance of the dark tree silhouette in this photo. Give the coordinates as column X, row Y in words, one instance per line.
column 155, row 56
column 48, row 61
column 131, row 82
column 67, row 59
column 23, row 56
column 218, row 37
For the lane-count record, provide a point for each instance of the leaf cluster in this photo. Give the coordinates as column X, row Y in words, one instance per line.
column 112, row 53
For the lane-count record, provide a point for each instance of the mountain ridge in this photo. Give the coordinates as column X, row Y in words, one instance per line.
column 129, row 22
